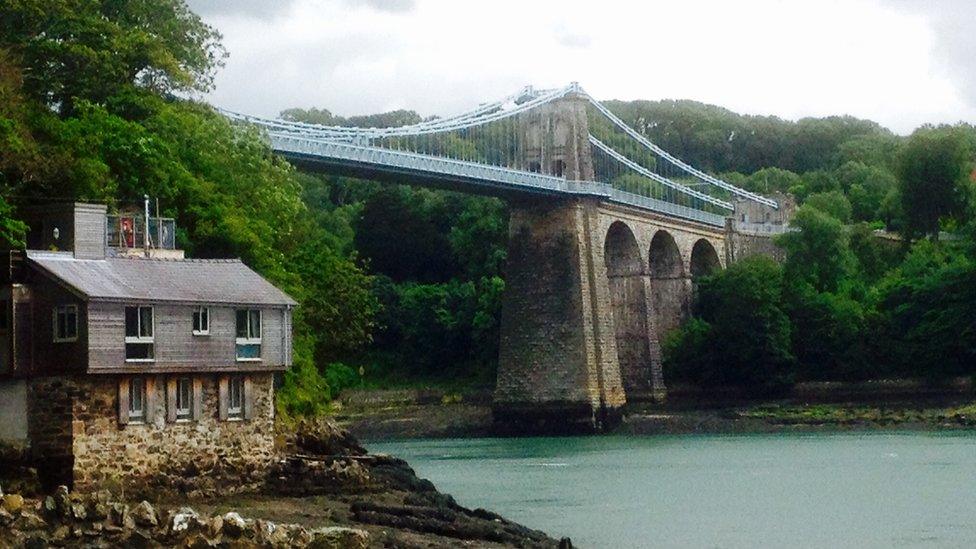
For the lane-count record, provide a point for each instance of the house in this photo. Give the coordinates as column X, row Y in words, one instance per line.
column 123, row 363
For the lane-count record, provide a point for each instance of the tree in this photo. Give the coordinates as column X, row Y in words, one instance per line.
column 741, row 336
column 817, row 252
column 929, row 303
column 94, row 50
column 933, row 179
column 833, row 203
column 866, row 187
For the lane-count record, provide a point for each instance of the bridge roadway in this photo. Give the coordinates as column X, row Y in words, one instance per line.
column 458, row 175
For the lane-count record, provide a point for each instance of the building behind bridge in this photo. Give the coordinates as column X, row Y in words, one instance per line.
column 127, row 364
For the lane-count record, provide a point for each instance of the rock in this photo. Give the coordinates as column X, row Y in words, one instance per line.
column 144, row 515
column 78, row 511
column 37, row 541
column 30, row 521
column 198, row 541
column 234, row 525
column 6, row 518
column 186, row 521
column 49, row 507
column 13, row 503
column 215, row 526
column 99, row 505
column 60, row 534
column 337, row 537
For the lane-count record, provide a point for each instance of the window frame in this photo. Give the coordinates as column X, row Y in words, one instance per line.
column 140, row 339
column 204, row 312
column 250, row 339
column 63, row 309
column 235, row 413
column 184, row 414
column 138, row 416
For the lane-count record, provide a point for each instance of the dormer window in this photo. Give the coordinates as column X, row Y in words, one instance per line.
column 248, row 334
column 201, row 321
column 65, row 323
column 139, row 334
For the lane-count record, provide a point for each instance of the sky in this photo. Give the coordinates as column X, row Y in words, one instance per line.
column 901, row 63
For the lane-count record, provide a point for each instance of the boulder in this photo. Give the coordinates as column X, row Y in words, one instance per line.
column 144, row 515
column 234, row 525
column 186, row 521
column 78, row 511
column 337, row 537
column 13, row 503
column 30, row 521
column 6, row 518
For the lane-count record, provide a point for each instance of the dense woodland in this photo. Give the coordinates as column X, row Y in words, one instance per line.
column 400, row 285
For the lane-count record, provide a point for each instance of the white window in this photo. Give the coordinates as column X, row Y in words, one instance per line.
column 201, row 321
column 184, row 399
column 139, row 334
column 248, row 334
column 137, row 400
column 66, row 323
column 235, row 397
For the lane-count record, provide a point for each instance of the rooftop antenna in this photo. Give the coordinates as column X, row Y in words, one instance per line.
column 145, row 234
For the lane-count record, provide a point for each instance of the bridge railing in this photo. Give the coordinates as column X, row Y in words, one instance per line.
column 484, row 174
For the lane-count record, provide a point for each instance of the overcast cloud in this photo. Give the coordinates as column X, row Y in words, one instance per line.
column 899, row 62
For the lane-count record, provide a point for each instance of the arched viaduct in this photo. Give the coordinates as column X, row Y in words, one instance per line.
column 592, row 289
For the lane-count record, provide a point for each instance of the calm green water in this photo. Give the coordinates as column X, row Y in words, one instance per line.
column 793, row 490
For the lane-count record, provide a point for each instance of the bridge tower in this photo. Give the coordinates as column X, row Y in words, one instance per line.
column 558, row 368
column 555, row 139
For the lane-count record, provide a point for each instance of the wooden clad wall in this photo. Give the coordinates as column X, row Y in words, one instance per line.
column 175, row 346
column 89, row 231
column 52, row 357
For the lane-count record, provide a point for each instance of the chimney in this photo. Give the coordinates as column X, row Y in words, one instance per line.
column 76, row 227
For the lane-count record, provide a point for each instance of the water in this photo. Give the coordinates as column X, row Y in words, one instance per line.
column 791, row 490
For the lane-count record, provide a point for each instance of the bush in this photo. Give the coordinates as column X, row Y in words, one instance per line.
column 742, row 336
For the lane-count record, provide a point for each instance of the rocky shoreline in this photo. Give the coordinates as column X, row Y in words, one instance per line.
column 325, row 491
column 387, row 419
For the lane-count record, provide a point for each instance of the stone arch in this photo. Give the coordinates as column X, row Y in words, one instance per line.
column 628, row 305
column 669, row 283
column 704, row 259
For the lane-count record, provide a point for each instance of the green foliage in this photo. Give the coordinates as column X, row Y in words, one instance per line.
column 929, row 305
column 84, row 50
column 827, row 333
column 12, row 231
column 817, row 252
column 933, row 176
column 833, row 203
column 743, row 335
column 718, row 140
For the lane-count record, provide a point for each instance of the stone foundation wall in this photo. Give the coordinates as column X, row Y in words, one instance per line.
column 558, row 358
column 195, row 456
column 742, row 246
column 49, row 412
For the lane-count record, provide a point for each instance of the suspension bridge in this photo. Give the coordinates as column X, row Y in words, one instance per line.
column 607, row 234
column 500, row 148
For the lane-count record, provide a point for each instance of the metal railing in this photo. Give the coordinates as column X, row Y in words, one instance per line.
column 128, row 231
column 485, row 174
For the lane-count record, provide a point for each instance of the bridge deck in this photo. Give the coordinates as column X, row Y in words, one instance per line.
column 465, row 176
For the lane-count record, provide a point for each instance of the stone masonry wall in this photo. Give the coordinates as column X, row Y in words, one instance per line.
column 557, row 355
column 202, row 455
column 742, row 246
column 49, row 412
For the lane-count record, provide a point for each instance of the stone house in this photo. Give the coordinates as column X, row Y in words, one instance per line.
column 129, row 366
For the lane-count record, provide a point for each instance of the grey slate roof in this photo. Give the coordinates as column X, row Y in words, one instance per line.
column 219, row 281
